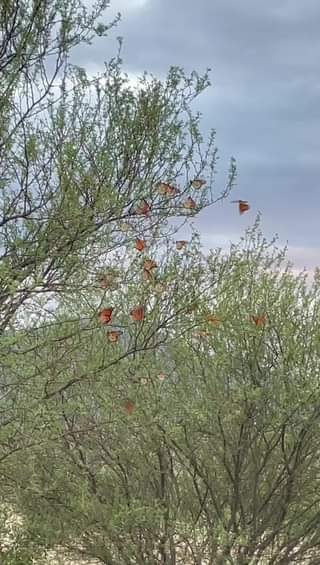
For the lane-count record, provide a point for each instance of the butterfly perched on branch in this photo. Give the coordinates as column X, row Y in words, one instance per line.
column 142, row 209
column 113, row 336
column 198, row 183
column 137, row 313
column 149, row 264
column 259, row 320
column 105, row 315
column 166, row 189
column 140, row 244
column 189, row 203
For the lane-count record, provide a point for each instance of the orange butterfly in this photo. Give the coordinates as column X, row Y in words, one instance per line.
column 149, row 264
column 191, row 308
column 147, row 275
column 162, row 187
column 243, row 205
column 143, row 209
column 108, row 282
column 140, row 244
column 129, row 406
column 137, row 314
column 189, row 204
column 198, row 183
column 113, row 336
column 166, row 189
column 213, row 320
column 181, row 244
column 105, row 316
column 172, row 192
column 259, row 320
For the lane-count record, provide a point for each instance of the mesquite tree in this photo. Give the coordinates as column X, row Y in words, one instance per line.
column 202, row 448
column 93, row 173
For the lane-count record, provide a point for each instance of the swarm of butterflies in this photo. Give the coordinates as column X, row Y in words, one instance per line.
column 138, row 312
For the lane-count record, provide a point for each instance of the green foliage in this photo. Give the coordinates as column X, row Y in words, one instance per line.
column 189, row 435
column 219, row 458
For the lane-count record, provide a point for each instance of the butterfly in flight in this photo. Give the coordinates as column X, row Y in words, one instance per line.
column 105, row 316
column 243, row 205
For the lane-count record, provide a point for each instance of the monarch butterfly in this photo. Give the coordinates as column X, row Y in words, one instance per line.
column 213, row 320
column 113, row 336
column 172, row 191
column 259, row 320
column 129, row 406
column 166, row 189
column 147, row 275
column 181, row 244
column 149, row 264
column 143, row 208
column 140, row 244
column 243, row 205
column 137, row 313
column 105, row 316
column 198, row 183
column 189, row 204
column 162, row 188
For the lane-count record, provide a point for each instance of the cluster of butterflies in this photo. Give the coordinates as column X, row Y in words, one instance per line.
column 170, row 191
column 137, row 314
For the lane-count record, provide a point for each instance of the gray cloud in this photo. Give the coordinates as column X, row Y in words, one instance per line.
column 264, row 103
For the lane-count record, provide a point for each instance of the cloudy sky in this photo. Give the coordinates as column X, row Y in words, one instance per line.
column 264, row 101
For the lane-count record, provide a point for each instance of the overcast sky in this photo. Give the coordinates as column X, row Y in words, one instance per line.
column 264, row 102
